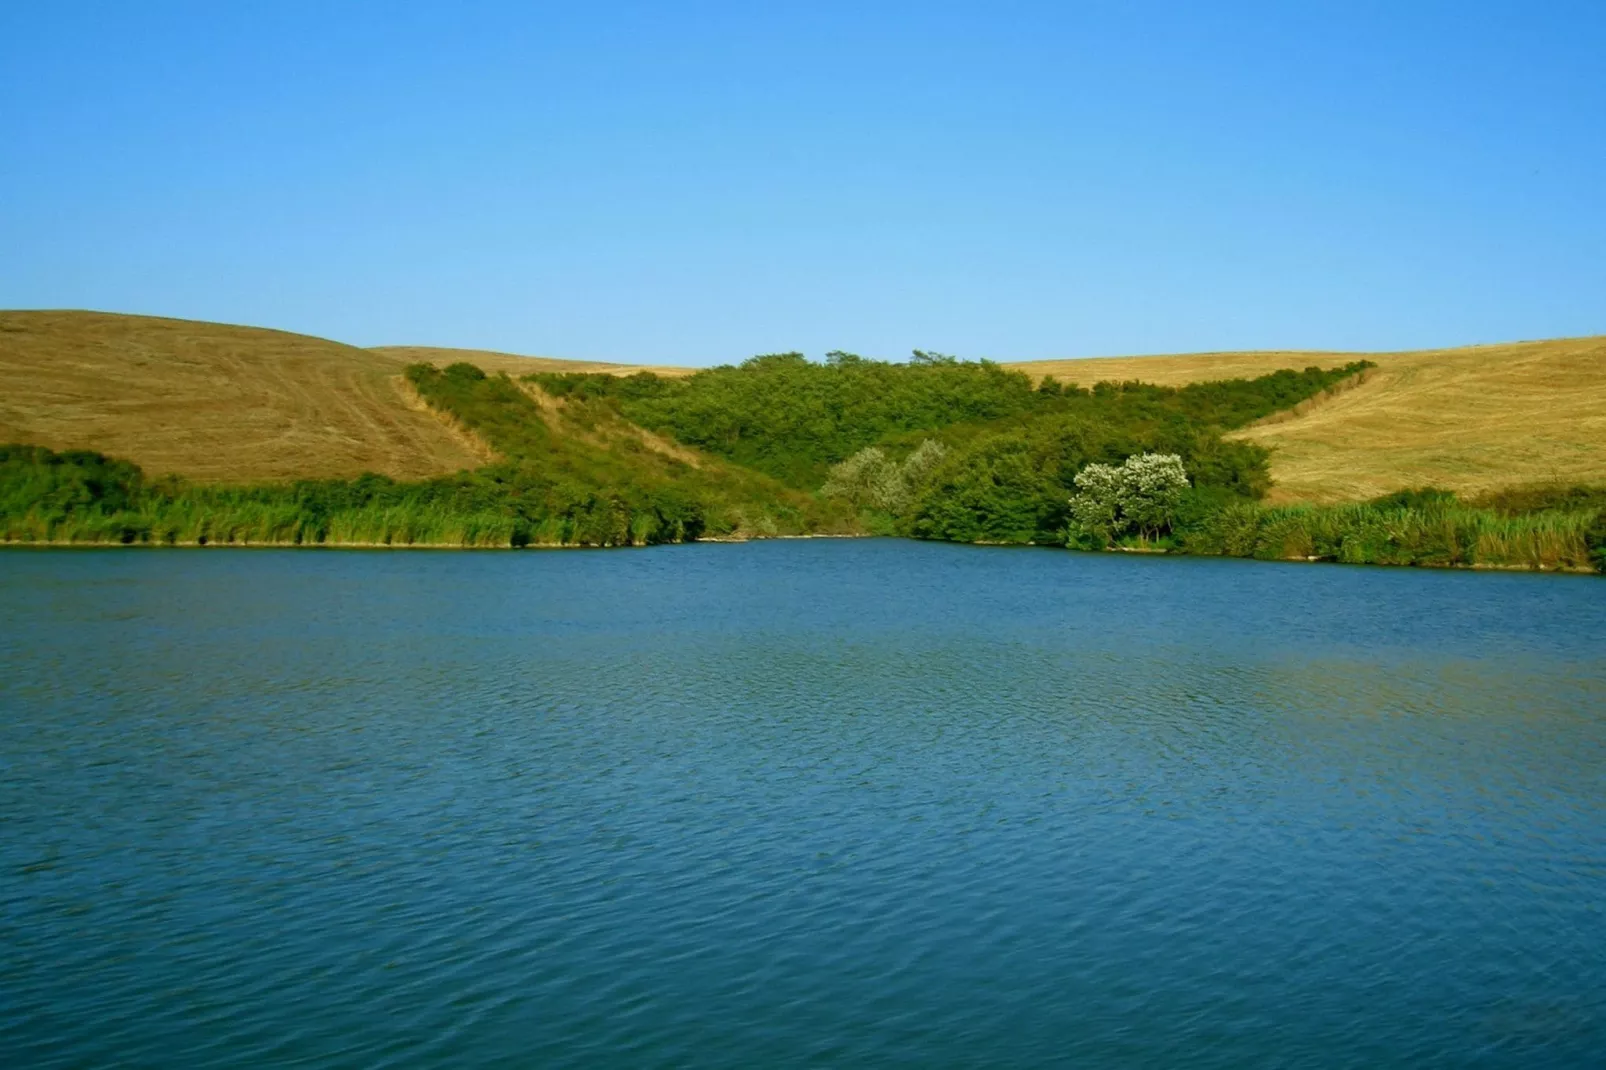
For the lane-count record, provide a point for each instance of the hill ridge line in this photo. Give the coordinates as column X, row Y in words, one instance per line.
column 221, row 402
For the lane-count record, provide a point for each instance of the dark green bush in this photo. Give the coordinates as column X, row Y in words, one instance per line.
column 1595, row 538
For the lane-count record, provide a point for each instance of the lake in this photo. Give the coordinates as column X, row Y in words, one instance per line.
column 869, row 803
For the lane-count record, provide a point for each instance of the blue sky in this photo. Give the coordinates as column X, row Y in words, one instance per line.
column 695, row 183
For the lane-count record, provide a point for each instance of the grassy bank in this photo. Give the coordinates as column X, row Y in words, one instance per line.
column 780, row 446
column 1443, row 535
column 48, row 498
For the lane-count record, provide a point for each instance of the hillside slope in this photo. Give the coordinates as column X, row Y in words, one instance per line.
column 514, row 364
column 214, row 402
column 1182, row 368
column 1470, row 419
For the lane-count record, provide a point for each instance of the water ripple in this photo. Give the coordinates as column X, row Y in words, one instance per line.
column 873, row 803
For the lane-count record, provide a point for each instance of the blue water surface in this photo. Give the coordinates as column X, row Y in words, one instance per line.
column 869, row 803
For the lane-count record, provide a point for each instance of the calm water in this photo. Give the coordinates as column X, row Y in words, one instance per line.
column 855, row 803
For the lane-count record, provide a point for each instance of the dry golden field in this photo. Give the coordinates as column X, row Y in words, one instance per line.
column 1470, row 419
column 213, row 402
column 1180, row 369
column 513, row 364
column 217, row 402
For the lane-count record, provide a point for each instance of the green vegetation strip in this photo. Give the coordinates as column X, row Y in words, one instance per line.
column 936, row 448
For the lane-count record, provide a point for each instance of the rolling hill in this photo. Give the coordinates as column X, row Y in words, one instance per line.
column 1472, row 419
column 215, row 402
column 513, row 364
column 1468, row 420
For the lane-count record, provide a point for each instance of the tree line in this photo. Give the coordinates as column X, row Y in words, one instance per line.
column 935, row 448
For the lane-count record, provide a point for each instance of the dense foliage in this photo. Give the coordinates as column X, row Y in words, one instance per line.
column 50, row 497
column 590, row 487
column 1142, row 494
column 1441, row 532
column 793, row 419
column 936, row 448
column 1010, row 451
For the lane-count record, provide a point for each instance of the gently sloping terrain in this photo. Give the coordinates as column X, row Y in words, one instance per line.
column 214, row 402
column 1471, row 420
column 1468, row 420
column 1183, row 368
column 492, row 362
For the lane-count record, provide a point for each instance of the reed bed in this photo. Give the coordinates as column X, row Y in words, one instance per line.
column 207, row 521
column 1450, row 535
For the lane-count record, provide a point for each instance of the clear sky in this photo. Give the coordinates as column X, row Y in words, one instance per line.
column 695, row 183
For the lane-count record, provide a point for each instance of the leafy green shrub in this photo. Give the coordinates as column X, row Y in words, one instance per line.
column 996, row 491
column 1418, row 498
column 872, row 480
column 1517, row 501
column 793, row 419
column 1595, row 539
column 1141, row 494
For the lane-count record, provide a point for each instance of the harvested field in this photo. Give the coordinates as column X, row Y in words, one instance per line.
column 513, row 364
column 1470, row 419
column 216, row 402
column 1181, row 369
column 213, row 402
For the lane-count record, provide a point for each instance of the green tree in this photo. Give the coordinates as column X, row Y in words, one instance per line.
column 1152, row 486
column 1143, row 493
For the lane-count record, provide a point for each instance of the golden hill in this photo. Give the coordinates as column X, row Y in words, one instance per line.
column 1180, row 369
column 214, row 402
column 516, row 365
column 217, row 402
column 1470, row 419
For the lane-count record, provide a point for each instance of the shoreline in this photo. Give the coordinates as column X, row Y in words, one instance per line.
column 192, row 544
column 22, row 544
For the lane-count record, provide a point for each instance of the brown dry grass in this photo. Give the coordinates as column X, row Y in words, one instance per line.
column 513, row 364
column 608, row 434
column 470, row 439
column 1472, row 419
column 217, row 402
column 1181, row 369
column 213, row 402
column 1469, row 420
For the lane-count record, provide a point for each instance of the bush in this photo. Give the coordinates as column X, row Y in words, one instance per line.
column 872, row 480
column 1419, row 498
column 1595, row 539
column 1141, row 495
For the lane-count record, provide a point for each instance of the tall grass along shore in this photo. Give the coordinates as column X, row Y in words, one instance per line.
column 936, row 448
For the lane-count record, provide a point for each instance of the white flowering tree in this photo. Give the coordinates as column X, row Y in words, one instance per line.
column 1141, row 494
column 1097, row 505
column 1152, row 485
